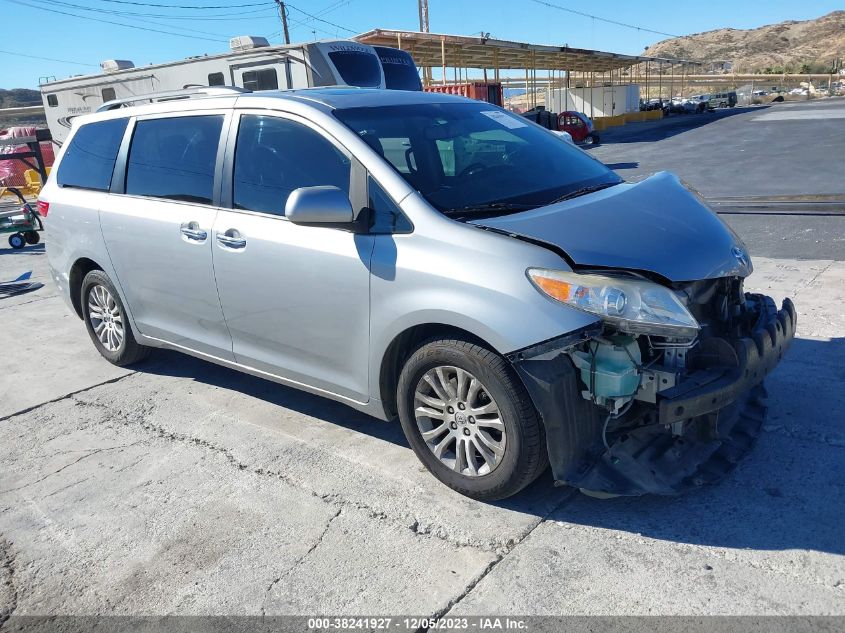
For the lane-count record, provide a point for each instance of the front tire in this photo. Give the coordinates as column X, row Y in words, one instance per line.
column 469, row 419
column 107, row 323
column 17, row 241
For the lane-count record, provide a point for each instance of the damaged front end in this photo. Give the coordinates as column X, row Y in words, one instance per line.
column 653, row 405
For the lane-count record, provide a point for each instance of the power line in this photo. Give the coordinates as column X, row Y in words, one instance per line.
column 240, row 15
column 595, row 17
column 314, row 17
column 128, row 26
column 307, row 22
column 48, row 59
column 194, row 7
column 120, row 13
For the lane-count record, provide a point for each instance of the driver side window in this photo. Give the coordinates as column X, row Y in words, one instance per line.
column 275, row 156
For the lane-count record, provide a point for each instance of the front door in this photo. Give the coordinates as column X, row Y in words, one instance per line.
column 158, row 233
column 296, row 298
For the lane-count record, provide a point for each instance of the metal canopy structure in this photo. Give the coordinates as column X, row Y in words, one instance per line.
column 431, row 50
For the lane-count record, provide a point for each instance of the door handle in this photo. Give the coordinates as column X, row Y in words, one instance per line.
column 231, row 239
column 192, row 231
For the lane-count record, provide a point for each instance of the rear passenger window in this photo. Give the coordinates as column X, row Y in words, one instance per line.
column 274, row 156
column 174, row 158
column 216, row 79
column 88, row 161
column 108, row 94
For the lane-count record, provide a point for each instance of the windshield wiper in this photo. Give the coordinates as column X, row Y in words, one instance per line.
column 489, row 208
column 584, row 191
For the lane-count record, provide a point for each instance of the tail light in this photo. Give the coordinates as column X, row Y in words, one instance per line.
column 43, row 208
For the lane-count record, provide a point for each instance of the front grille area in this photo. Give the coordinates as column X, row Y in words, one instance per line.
column 718, row 305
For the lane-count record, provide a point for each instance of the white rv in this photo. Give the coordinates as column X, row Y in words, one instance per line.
column 251, row 63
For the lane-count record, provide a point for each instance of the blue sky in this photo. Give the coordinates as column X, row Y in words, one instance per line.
column 46, row 28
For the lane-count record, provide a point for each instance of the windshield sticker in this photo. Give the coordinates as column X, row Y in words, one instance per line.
column 504, row 119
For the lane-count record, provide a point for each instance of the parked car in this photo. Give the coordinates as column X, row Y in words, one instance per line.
column 505, row 295
column 579, row 126
column 723, row 100
column 566, row 136
column 701, row 103
column 679, row 105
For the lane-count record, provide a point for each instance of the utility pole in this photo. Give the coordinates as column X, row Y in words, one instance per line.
column 283, row 13
column 423, row 6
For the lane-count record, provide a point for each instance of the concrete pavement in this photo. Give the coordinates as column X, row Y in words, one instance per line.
column 187, row 488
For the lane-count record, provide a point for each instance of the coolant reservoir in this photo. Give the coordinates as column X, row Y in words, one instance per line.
column 617, row 376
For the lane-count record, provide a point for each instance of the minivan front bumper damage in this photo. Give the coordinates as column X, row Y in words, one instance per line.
column 694, row 432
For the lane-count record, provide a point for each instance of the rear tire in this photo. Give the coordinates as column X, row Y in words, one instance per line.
column 504, row 439
column 32, row 237
column 107, row 323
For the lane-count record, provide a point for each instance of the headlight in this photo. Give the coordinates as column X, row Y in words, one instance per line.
column 633, row 305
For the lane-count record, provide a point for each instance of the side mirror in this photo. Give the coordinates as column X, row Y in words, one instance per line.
column 319, row 205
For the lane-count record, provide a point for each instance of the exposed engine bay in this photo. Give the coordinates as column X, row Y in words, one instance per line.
column 630, row 413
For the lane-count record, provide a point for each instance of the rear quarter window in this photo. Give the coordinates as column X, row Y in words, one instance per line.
column 88, row 162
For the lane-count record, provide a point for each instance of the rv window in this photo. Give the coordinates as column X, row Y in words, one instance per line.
column 216, row 79
column 275, row 156
column 89, row 159
column 261, row 79
column 357, row 68
column 108, row 94
column 400, row 72
column 52, row 101
column 174, row 158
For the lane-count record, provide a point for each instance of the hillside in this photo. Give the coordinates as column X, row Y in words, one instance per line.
column 19, row 97
column 808, row 46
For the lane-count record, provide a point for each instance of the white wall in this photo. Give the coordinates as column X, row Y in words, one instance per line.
column 595, row 102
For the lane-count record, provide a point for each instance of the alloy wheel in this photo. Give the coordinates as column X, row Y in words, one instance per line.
column 459, row 421
column 105, row 317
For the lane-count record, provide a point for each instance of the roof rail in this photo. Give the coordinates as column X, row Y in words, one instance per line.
column 173, row 95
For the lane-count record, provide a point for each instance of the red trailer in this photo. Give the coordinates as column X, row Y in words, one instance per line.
column 491, row 92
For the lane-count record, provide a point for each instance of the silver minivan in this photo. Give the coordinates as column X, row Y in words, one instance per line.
column 423, row 256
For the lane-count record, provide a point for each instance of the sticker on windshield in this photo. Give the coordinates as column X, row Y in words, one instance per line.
column 504, row 119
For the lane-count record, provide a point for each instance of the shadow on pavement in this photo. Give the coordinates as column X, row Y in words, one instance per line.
column 536, row 499
column 169, row 363
column 786, row 495
column 37, row 249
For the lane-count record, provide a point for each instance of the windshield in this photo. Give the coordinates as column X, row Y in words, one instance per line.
column 357, row 68
column 473, row 157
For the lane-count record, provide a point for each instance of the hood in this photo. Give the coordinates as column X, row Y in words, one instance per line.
column 655, row 225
